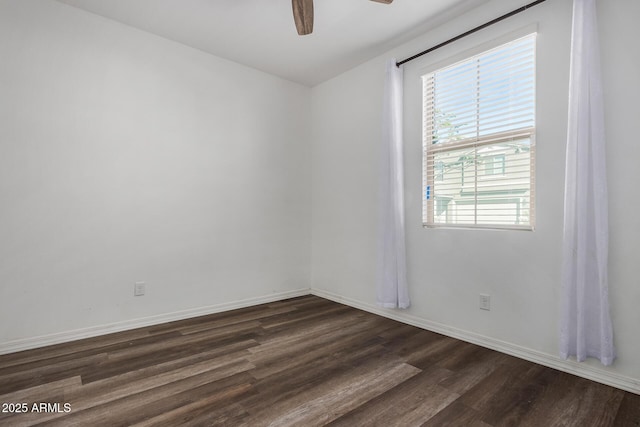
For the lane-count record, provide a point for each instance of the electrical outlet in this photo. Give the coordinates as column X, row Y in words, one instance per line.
column 485, row 302
column 138, row 289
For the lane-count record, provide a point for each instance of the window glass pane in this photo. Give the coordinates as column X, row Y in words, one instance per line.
column 479, row 139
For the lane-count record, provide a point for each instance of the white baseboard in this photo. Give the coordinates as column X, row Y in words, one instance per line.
column 45, row 340
column 570, row 366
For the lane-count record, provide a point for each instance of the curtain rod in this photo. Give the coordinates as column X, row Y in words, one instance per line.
column 478, row 28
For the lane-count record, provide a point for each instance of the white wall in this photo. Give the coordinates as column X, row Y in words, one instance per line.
column 125, row 157
column 447, row 268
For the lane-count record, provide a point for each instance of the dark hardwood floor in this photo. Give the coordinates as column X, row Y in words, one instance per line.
column 300, row 362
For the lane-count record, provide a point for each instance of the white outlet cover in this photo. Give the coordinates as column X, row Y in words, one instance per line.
column 485, row 302
column 138, row 289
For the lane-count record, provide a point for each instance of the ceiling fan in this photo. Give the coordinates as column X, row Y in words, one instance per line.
column 303, row 14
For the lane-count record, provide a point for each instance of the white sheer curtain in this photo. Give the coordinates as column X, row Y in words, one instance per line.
column 393, row 291
column 586, row 329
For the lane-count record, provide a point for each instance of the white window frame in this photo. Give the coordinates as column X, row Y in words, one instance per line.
column 430, row 183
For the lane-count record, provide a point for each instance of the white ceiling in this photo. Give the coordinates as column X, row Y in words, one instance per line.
column 261, row 33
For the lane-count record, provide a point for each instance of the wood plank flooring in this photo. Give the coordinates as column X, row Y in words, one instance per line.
column 299, row 362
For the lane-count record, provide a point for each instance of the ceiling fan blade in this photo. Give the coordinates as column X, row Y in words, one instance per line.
column 303, row 16
column 383, row 1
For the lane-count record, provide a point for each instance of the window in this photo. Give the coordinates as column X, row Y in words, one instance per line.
column 494, row 164
column 479, row 140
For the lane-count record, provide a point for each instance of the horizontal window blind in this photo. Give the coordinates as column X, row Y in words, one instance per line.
column 479, row 140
